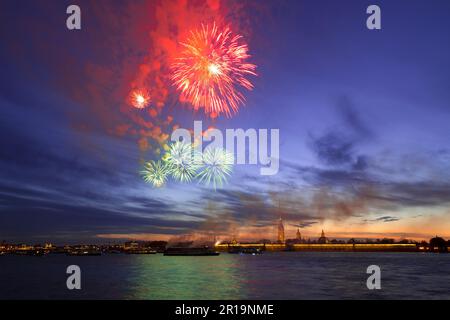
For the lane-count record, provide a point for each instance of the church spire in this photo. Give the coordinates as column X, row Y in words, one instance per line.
column 280, row 231
column 322, row 238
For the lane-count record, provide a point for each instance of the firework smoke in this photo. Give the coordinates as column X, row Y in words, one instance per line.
column 211, row 69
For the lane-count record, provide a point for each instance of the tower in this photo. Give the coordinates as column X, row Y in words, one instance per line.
column 298, row 235
column 280, row 231
column 322, row 238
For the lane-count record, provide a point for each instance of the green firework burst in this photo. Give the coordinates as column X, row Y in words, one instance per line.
column 155, row 172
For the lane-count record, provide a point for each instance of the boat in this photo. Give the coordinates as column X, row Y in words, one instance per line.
column 240, row 250
column 252, row 251
column 234, row 250
column 190, row 251
column 89, row 252
column 30, row 252
column 59, row 250
column 141, row 251
column 114, row 251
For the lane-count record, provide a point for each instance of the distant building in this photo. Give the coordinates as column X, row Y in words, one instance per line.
column 131, row 245
column 280, row 231
column 298, row 235
column 438, row 244
column 322, row 238
column 49, row 246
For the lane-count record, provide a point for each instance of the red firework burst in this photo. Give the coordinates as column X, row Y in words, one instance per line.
column 139, row 98
column 211, row 69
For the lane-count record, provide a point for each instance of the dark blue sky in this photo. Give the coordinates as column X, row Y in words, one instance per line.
column 363, row 117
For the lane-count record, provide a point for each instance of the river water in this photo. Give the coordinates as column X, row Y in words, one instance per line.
column 277, row 275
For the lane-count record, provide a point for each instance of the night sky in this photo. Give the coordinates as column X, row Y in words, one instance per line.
column 364, row 119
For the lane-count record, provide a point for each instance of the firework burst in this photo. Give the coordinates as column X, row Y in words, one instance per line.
column 180, row 158
column 211, row 69
column 139, row 98
column 217, row 165
column 155, row 172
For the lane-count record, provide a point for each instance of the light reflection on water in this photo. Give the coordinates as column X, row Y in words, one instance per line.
column 160, row 277
column 282, row 275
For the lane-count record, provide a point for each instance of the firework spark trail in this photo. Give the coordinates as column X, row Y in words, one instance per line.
column 155, row 172
column 211, row 69
column 139, row 98
column 217, row 165
column 180, row 159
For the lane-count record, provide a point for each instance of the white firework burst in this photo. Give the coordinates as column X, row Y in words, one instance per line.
column 217, row 165
column 180, row 159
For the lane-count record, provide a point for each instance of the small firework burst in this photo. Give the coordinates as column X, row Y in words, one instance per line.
column 139, row 98
column 217, row 165
column 211, row 70
column 180, row 158
column 155, row 172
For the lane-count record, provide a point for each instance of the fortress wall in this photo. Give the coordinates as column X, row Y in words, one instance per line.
column 324, row 247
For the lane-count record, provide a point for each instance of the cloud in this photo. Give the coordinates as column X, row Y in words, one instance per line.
column 305, row 224
column 353, row 119
column 339, row 145
column 340, row 193
column 383, row 219
column 361, row 163
column 333, row 148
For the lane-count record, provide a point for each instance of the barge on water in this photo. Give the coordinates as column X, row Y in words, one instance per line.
column 141, row 251
column 190, row 251
column 240, row 250
column 89, row 252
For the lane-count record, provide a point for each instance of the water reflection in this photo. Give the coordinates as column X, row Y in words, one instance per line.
column 160, row 277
